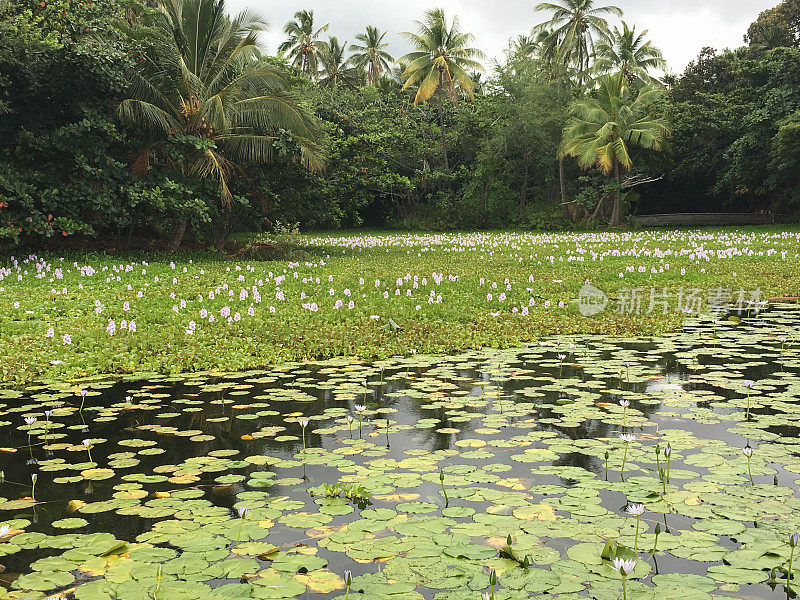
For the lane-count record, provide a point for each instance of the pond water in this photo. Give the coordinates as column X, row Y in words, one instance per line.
column 138, row 483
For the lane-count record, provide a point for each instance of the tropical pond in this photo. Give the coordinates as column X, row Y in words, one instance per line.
column 431, row 477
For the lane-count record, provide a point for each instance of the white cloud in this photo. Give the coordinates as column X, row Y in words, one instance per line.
column 681, row 28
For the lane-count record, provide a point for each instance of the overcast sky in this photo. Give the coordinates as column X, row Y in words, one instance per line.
column 679, row 27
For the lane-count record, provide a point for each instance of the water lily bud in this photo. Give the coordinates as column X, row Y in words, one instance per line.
column 794, row 539
column 658, row 450
column 441, row 475
column 348, row 578
column 509, row 541
column 658, row 528
column 492, row 577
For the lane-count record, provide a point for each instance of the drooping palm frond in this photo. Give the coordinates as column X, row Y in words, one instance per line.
column 205, row 80
column 575, row 27
column 303, row 44
column 335, row 68
column 631, row 53
column 370, row 54
column 602, row 129
column 441, row 57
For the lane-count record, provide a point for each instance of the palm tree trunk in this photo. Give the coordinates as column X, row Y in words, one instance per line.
column 615, row 216
column 177, row 235
column 566, row 205
column 444, row 140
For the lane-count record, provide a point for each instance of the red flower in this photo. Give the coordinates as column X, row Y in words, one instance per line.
column 64, row 233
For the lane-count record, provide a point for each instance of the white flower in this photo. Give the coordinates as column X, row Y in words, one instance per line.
column 624, row 403
column 627, row 437
column 635, row 510
column 303, row 423
column 625, row 567
column 748, row 451
column 360, row 408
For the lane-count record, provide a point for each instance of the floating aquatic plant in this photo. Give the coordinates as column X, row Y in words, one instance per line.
column 627, row 438
column 303, row 425
column 748, row 452
column 348, row 582
column 492, row 581
column 655, row 542
column 625, row 568
column 749, row 385
column 624, row 404
column 243, row 512
column 359, row 408
column 636, row 510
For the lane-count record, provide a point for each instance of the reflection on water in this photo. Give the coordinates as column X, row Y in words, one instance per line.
column 472, row 411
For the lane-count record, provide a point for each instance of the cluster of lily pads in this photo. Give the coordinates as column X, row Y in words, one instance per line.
column 578, row 467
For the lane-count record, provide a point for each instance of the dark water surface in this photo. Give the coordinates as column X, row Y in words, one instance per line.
column 521, row 437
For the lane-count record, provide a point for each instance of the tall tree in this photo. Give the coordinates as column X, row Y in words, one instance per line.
column 335, row 70
column 303, row 44
column 630, row 53
column 371, row 55
column 575, row 27
column 604, row 128
column 208, row 101
column 439, row 64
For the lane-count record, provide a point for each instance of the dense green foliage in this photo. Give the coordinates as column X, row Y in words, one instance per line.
column 428, row 141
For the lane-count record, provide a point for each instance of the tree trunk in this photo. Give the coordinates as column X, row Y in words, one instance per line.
column 566, row 205
column 523, row 192
column 177, row 235
column 444, row 142
column 615, row 216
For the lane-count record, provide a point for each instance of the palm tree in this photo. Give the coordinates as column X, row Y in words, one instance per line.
column 575, row 26
column 334, row 66
column 370, row 54
column 602, row 129
column 439, row 62
column 205, row 92
column 303, row 43
column 629, row 53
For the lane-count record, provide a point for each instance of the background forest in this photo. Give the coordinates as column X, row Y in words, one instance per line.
column 123, row 122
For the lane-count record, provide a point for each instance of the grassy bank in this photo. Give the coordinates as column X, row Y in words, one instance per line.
column 366, row 295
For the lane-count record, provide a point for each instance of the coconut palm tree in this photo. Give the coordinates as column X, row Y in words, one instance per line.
column 335, row 70
column 575, row 26
column 439, row 63
column 370, row 54
column 631, row 53
column 303, row 44
column 603, row 129
column 204, row 94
